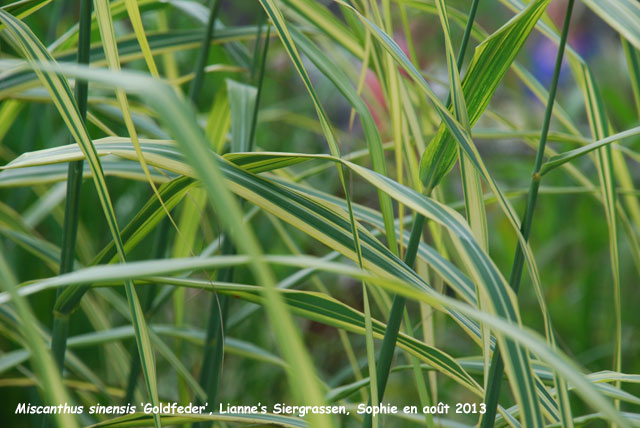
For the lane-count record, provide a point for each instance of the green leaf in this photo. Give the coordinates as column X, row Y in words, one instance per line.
column 242, row 102
column 59, row 90
column 341, row 82
column 491, row 60
column 129, row 49
column 560, row 159
column 141, row 420
column 532, row 341
column 41, row 359
column 622, row 15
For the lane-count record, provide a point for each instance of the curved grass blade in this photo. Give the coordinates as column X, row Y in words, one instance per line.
column 600, row 128
column 324, row 20
column 72, row 202
column 324, row 309
column 242, row 102
column 339, row 239
column 461, row 136
column 622, row 15
column 560, row 159
column 61, row 94
column 129, row 49
column 23, row 8
column 518, row 333
column 176, row 116
column 105, row 25
column 141, row 420
column 150, row 215
column 471, row 184
column 491, row 61
column 136, row 21
column 385, row 202
column 440, row 214
column 53, row 390
column 496, row 369
column 373, row 139
column 315, row 306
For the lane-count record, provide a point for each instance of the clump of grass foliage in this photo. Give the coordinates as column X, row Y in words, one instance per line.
column 320, row 203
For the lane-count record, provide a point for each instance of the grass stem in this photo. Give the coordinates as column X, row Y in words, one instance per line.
column 496, row 369
column 164, row 228
column 397, row 307
column 211, row 370
column 259, row 80
column 74, row 183
column 467, row 33
column 214, row 341
column 60, row 330
column 395, row 317
column 203, row 53
column 147, row 295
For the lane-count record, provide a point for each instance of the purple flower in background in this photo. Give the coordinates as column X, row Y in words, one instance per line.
column 584, row 38
column 544, row 54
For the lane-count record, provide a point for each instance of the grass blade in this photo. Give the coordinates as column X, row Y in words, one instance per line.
column 242, row 101
column 496, row 369
column 621, row 15
column 203, row 54
column 489, row 64
column 562, row 158
column 74, row 182
column 60, row 92
column 43, row 363
column 340, row 81
column 175, row 115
